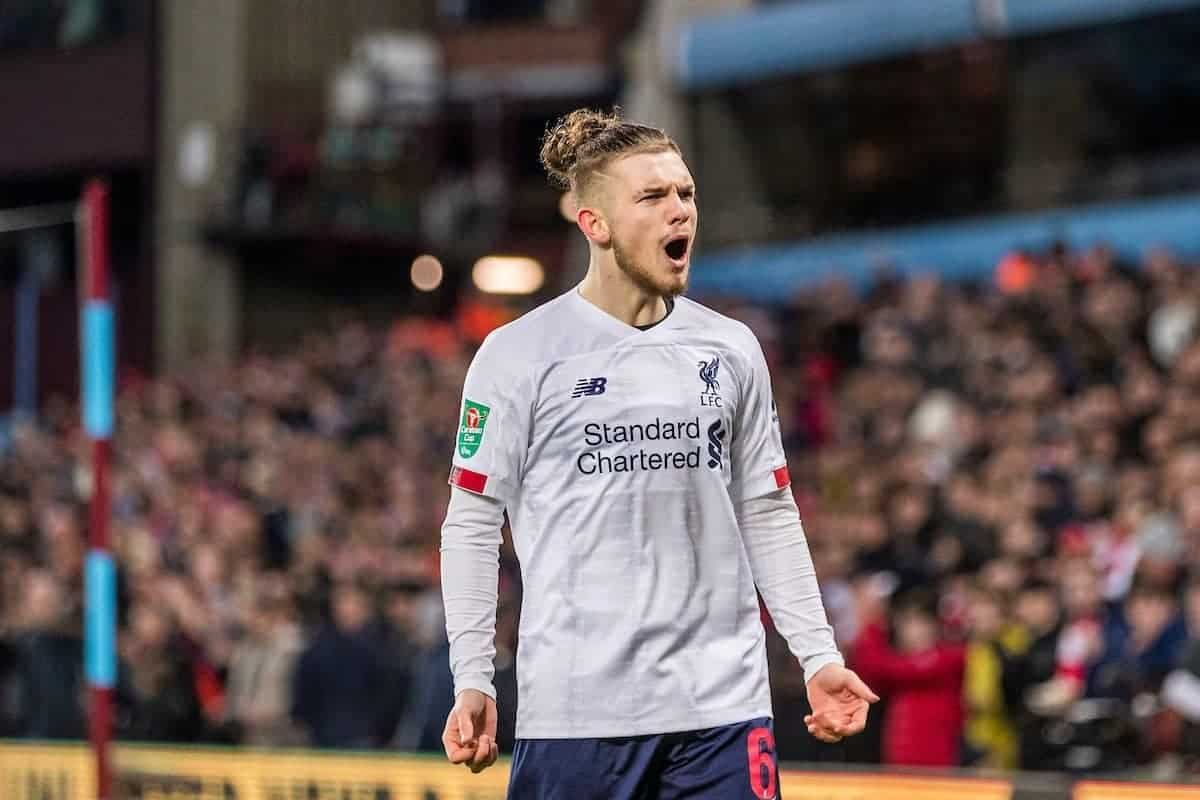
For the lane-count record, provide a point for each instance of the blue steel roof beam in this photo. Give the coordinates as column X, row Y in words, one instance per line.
column 759, row 44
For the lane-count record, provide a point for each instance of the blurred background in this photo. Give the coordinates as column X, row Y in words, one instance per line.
column 965, row 231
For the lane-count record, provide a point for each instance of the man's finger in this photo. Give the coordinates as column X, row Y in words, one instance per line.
column 824, row 735
column 490, row 758
column 483, row 751
column 829, row 726
column 837, row 727
column 450, row 740
column 856, row 724
column 845, row 729
column 485, row 758
column 466, row 728
column 829, row 720
column 817, row 721
column 860, row 689
column 457, row 754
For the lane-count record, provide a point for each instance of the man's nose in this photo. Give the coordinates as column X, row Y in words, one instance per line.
column 679, row 210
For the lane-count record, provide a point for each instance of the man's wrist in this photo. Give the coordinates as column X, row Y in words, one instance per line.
column 481, row 685
column 815, row 664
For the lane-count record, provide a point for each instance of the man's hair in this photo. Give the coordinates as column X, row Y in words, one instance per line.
column 585, row 140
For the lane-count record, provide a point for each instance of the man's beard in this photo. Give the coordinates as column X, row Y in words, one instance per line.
column 642, row 277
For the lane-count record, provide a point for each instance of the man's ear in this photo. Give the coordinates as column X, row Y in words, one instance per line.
column 594, row 226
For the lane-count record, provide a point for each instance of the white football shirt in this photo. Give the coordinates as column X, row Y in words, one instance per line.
column 620, row 455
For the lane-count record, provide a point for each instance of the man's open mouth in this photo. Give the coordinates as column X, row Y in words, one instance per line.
column 677, row 248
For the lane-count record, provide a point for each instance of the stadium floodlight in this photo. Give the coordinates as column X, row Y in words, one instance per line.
column 426, row 273
column 508, row 275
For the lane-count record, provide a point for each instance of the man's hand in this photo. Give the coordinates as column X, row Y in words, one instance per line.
column 839, row 701
column 470, row 734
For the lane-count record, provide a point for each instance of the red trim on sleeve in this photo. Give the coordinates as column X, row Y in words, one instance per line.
column 466, row 479
column 782, row 478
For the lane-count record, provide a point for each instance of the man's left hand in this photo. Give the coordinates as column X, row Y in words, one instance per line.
column 839, row 701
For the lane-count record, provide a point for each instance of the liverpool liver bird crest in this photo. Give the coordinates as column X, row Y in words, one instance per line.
column 708, row 374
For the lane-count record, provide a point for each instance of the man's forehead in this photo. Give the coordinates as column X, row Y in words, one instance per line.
column 648, row 169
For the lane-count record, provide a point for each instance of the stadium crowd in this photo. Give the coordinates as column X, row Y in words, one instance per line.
column 1000, row 483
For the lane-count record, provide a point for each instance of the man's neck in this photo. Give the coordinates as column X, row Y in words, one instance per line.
column 621, row 298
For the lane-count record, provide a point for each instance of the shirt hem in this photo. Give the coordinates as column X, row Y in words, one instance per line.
column 617, row 729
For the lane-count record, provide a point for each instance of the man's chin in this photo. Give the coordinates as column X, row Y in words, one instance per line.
column 670, row 282
column 676, row 289
column 675, row 285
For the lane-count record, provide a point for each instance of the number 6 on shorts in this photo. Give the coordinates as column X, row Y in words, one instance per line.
column 760, row 746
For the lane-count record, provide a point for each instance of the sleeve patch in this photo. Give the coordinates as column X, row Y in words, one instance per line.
column 466, row 479
column 782, row 478
column 470, row 432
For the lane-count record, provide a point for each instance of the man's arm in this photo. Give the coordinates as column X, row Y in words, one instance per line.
column 782, row 567
column 470, row 572
column 493, row 433
column 783, row 571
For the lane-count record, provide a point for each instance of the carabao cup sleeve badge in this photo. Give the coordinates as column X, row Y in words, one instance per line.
column 470, row 432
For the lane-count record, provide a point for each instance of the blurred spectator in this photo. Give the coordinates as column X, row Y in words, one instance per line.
column 258, row 699
column 1142, row 644
column 157, row 699
column 1181, row 688
column 995, row 643
column 921, row 672
column 1080, row 642
column 400, row 648
column 340, row 676
column 431, row 694
column 48, row 692
column 1037, row 609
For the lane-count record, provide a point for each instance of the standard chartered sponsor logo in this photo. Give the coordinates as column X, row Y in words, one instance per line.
column 592, row 463
column 603, row 458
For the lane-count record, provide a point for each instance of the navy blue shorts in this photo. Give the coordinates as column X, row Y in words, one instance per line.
column 732, row 762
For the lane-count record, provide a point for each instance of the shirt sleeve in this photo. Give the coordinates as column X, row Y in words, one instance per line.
column 758, row 464
column 470, row 562
column 783, row 572
column 493, row 426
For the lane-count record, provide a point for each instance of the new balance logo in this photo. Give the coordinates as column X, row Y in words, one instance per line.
column 589, row 387
column 716, row 437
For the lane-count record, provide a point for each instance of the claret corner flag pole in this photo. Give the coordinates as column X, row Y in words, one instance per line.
column 97, row 356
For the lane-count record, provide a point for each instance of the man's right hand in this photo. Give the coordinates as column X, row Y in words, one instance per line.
column 470, row 734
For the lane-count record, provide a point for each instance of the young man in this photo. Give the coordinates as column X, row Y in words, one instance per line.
column 632, row 437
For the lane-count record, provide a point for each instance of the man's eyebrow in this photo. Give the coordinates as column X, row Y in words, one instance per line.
column 661, row 187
